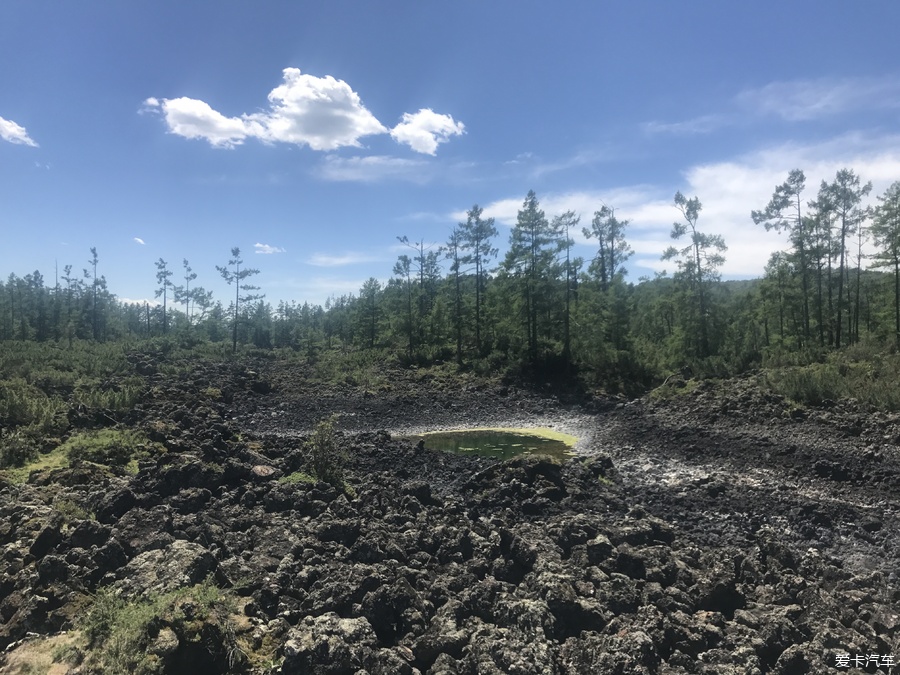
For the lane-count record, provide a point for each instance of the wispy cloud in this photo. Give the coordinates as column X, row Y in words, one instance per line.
column 698, row 125
column 139, row 241
column 791, row 101
column 15, row 134
column 265, row 249
column 802, row 100
column 317, row 289
column 340, row 260
column 322, row 113
column 374, row 169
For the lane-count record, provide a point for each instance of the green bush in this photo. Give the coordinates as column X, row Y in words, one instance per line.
column 120, row 632
column 22, row 405
column 871, row 381
column 16, row 448
column 327, row 460
column 112, row 447
column 298, row 477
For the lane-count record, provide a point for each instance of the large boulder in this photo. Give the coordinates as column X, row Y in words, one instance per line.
column 329, row 645
column 178, row 565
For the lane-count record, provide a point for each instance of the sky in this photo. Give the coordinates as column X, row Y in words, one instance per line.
column 311, row 135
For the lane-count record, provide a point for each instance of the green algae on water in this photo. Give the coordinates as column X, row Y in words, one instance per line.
column 502, row 443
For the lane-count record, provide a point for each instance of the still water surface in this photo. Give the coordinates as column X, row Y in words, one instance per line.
column 497, row 443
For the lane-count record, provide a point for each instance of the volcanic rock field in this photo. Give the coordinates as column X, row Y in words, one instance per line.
column 714, row 529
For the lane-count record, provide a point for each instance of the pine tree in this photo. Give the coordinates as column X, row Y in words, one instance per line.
column 698, row 263
column 475, row 238
column 164, row 279
column 886, row 231
column 236, row 276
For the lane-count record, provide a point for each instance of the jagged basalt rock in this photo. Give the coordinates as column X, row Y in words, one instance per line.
column 713, row 532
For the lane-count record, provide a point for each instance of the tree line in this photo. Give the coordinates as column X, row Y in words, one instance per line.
column 539, row 310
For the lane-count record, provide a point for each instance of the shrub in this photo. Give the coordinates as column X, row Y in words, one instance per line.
column 16, row 448
column 298, row 477
column 327, row 459
column 112, row 447
column 120, row 632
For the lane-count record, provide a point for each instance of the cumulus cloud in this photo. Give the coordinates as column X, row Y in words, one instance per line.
column 14, row 133
column 191, row 118
column 424, row 130
column 322, row 113
column 140, row 241
column 265, row 249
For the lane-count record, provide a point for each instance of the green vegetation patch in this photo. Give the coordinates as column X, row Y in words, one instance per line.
column 673, row 389
column 146, row 635
column 872, row 381
column 118, row 448
column 298, row 477
column 110, row 447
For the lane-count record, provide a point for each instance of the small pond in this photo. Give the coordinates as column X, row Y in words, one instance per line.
column 501, row 443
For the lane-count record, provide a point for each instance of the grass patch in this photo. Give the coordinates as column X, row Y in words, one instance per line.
column 298, row 477
column 111, row 447
column 673, row 389
column 869, row 378
column 71, row 511
column 363, row 369
column 115, row 448
column 55, row 459
column 140, row 635
column 43, row 656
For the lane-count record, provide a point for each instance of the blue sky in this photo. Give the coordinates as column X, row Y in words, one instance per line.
column 313, row 134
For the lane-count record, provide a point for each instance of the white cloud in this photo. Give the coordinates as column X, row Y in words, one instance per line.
column 729, row 191
column 322, row 113
column 347, row 258
column 424, row 130
column 266, row 249
column 698, row 125
column 800, row 100
column 140, row 241
column 317, row 289
column 15, row 134
column 139, row 301
column 373, row 169
column 191, row 118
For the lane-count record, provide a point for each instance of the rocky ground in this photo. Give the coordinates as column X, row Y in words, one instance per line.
column 712, row 529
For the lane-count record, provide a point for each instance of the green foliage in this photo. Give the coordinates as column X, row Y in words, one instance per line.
column 298, row 477
column 111, row 447
column 326, row 458
column 356, row 368
column 537, row 316
column 120, row 631
column 71, row 511
column 861, row 374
